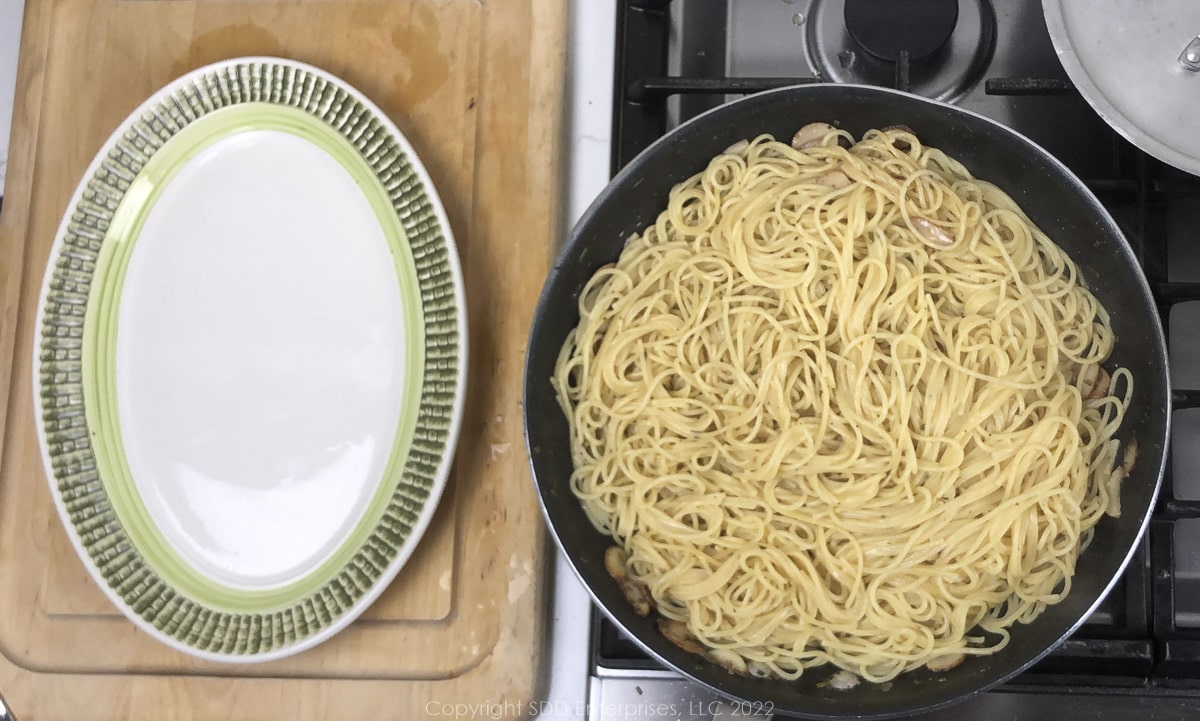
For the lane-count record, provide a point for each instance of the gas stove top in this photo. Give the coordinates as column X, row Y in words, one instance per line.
column 1138, row 656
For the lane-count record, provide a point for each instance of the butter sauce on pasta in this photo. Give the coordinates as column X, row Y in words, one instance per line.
column 843, row 405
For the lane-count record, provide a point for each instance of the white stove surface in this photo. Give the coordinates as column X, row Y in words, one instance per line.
column 590, row 48
column 11, row 12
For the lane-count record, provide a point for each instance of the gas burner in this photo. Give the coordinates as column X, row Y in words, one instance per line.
column 935, row 48
column 887, row 29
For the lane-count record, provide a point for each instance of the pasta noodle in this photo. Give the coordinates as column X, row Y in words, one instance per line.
column 842, row 403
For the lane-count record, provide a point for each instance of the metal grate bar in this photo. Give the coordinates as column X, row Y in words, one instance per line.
column 1134, row 587
column 1180, row 659
column 1029, row 86
column 903, row 79
column 1172, row 509
column 649, row 89
column 1184, row 398
column 642, row 30
column 1100, row 657
column 1176, row 292
column 1162, row 577
column 1120, row 190
column 1181, row 187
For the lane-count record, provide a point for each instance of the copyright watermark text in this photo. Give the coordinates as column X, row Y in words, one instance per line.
column 561, row 709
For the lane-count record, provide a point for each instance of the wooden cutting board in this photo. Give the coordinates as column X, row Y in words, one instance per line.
column 477, row 89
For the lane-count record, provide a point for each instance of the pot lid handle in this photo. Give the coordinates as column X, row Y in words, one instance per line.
column 1190, row 57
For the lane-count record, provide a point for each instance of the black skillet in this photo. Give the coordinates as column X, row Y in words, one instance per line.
column 1052, row 197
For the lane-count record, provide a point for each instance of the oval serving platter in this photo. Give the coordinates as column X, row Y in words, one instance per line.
column 250, row 359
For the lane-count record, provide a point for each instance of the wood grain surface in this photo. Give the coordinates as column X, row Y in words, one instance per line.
column 477, row 89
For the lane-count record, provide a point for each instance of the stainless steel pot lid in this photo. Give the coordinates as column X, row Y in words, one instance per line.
column 1138, row 64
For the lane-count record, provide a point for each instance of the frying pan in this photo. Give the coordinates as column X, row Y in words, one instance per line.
column 1052, row 197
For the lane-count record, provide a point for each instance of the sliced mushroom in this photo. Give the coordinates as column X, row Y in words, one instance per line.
column 615, row 562
column 1113, row 486
column 945, row 663
column 1088, row 376
column 759, row 670
column 728, row 660
column 932, row 234
column 900, row 143
column 1130, row 456
column 638, row 595
column 811, row 135
column 677, row 633
column 636, row 592
column 1100, row 389
column 835, row 179
column 843, row 681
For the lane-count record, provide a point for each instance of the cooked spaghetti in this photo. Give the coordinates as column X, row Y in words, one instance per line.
column 842, row 405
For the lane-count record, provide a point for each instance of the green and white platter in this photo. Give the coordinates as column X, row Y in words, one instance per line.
column 250, row 359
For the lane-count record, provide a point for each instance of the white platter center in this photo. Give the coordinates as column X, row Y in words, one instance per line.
column 259, row 358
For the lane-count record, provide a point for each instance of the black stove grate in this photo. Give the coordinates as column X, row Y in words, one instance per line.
column 1133, row 643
